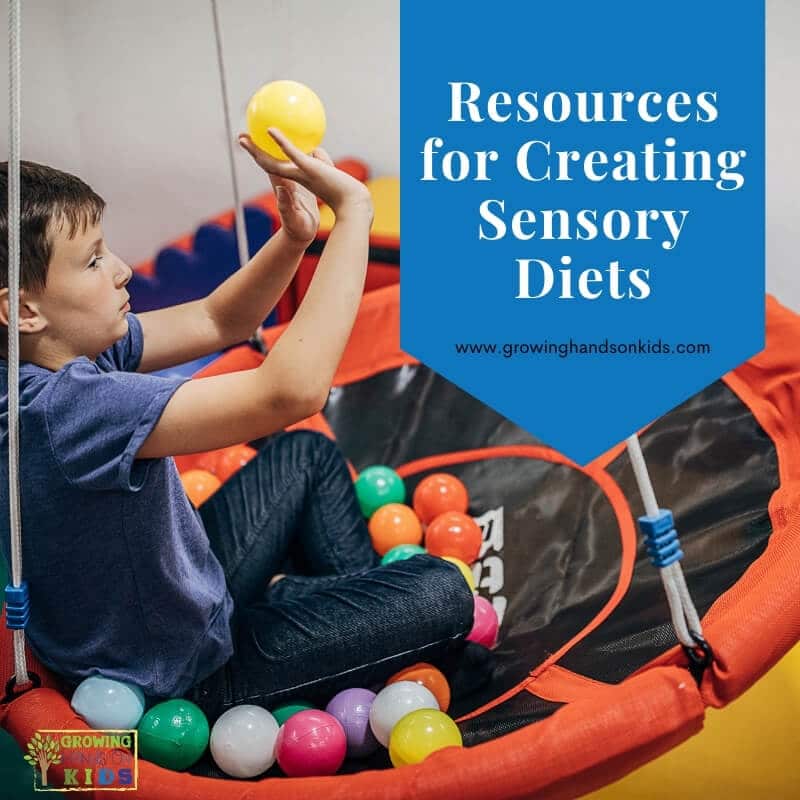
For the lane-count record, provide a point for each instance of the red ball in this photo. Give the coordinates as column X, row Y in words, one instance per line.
column 439, row 493
column 206, row 461
column 232, row 459
column 454, row 534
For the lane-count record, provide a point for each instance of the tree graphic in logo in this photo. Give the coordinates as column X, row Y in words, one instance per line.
column 43, row 753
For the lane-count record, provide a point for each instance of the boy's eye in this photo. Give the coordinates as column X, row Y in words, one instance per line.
column 93, row 264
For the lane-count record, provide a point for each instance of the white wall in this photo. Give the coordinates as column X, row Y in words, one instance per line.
column 783, row 150
column 49, row 117
column 126, row 95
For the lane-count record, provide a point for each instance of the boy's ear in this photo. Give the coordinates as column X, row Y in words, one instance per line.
column 30, row 317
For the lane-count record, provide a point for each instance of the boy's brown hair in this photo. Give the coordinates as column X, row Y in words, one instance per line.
column 49, row 200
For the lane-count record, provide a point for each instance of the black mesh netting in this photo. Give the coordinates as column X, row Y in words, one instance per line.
column 555, row 561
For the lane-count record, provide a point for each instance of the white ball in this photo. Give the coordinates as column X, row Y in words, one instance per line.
column 243, row 741
column 393, row 703
column 108, row 704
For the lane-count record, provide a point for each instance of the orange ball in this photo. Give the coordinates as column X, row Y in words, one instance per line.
column 394, row 524
column 439, row 493
column 454, row 534
column 232, row 459
column 428, row 676
column 199, row 485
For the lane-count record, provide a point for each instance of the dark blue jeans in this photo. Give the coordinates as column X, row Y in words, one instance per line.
column 339, row 620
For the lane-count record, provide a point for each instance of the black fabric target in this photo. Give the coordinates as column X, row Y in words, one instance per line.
column 710, row 461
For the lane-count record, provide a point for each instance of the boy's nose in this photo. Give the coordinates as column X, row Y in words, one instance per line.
column 124, row 274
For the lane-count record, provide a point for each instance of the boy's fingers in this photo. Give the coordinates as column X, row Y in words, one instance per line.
column 322, row 155
column 247, row 143
column 294, row 153
column 276, row 181
column 265, row 160
column 283, row 198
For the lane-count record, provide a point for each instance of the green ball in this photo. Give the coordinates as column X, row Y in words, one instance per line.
column 401, row 552
column 282, row 713
column 173, row 734
column 377, row 486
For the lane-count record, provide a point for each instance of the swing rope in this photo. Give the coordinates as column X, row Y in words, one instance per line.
column 16, row 593
column 657, row 524
column 658, row 528
column 241, row 230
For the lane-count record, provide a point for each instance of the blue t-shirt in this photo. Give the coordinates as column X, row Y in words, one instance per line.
column 121, row 577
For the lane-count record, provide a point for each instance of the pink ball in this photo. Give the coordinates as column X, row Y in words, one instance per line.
column 484, row 629
column 310, row 743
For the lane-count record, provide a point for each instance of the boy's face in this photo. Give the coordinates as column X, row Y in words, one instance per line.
column 84, row 303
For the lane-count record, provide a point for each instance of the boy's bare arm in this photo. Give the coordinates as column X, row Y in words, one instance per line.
column 236, row 308
column 294, row 379
column 227, row 316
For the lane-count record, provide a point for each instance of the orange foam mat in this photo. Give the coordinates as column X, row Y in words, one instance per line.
column 584, row 745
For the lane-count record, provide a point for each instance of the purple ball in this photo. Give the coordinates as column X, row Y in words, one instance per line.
column 351, row 707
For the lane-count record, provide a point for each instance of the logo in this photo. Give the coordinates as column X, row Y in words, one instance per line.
column 488, row 570
column 83, row 760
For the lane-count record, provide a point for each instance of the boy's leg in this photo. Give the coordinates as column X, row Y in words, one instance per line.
column 356, row 633
column 296, row 498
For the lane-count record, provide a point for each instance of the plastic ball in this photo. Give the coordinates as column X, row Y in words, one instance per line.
column 454, row 534
column 232, row 459
column 242, row 741
column 311, row 743
column 199, row 485
column 465, row 571
column 437, row 494
column 282, row 713
column 206, row 461
column 351, row 707
column 393, row 703
column 173, row 734
column 401, row 552
column 421, row 733
column 108, row 704
column 484, row 629
column 290, row 106
column 394, row 524
column 428, row 676
column 376, row 486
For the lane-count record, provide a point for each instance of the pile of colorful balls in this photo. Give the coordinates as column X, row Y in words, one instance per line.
column 438, row 517
column 212, row 469
column 408, row 716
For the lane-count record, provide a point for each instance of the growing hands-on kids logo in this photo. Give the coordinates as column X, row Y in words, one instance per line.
column 85, row 760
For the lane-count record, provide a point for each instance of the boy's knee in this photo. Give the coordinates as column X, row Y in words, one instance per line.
column 305, row 447
column 309, row 442
column 442, row 587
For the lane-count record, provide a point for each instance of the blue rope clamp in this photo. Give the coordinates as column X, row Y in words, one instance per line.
column 18, row 606
column 18, row 612
column 664, row 549
column 661, row 538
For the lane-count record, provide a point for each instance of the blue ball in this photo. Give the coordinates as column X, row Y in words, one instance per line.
column 108, row 704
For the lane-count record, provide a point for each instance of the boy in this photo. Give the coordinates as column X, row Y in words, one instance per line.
column 126, row 580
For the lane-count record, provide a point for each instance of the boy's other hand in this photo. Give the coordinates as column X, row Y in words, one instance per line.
column 298, row 210
column 315, row 172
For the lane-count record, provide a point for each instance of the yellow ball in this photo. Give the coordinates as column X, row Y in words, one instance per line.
column 421, row 733
column 290, row 106
column 465, row 571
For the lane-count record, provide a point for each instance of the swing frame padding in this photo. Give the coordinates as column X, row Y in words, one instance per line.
column 602, row 731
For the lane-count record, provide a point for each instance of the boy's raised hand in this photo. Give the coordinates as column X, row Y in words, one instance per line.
column 298, row 209
column 315, row 172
